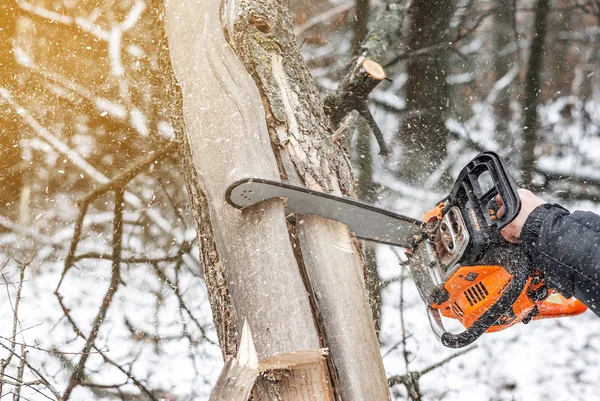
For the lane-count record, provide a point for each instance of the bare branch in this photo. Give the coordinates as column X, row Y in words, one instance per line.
column 323, row 17
column 15, row 309
column 115, row 281
column 37, row 374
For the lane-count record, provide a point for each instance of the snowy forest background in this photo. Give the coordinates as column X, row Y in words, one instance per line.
column 82, row 101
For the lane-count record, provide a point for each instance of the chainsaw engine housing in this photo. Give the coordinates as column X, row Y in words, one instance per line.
column 467, row 271
column 474, row 289
column 466, row 292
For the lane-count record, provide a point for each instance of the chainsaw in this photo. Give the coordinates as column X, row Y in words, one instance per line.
column 462, row 266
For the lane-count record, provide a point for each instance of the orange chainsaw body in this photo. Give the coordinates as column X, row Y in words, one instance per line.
column 474, row 289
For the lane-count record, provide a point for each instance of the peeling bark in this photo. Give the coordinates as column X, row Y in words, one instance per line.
column 261, row 34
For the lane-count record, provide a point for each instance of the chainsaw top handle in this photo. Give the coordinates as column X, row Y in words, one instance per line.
column 474, row 193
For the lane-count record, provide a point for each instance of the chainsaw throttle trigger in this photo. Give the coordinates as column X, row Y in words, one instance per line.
column 474, row 193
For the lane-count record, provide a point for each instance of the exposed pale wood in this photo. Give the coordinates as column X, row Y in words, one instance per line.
column 228, row 140
column 262, row 35
column 295, row 360
column 337, row 284
column 374, row 69
column 295, row 384
column 239, row 374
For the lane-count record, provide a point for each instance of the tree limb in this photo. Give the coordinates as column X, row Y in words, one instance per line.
column 366, row 73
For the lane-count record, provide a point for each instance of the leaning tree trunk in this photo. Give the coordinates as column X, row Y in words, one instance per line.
column 255, row 260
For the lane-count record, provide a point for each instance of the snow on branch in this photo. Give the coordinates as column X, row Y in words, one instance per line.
column 134, row 15
column 44, row 13
column 104, row 106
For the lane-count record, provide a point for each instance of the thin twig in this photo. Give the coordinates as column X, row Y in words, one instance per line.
column 37, row 374
column 16, row 323
column 162, row 276
column 323, row 17
column 52, row 351
column 20, row 372
column 446, row 360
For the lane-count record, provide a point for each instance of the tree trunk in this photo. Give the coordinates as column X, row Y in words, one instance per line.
column 424, row 134
column 10, row 151
column 503, row 35
column 532, row 90
column 260, row 263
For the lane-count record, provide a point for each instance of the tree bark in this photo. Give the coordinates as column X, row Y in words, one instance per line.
column 262, row 35
column 365, row 74
column 532, row 91
column 229, row 140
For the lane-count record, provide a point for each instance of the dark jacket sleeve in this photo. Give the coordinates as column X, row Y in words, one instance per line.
column 566, row 248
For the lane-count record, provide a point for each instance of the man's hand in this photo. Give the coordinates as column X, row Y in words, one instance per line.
column 529, row 201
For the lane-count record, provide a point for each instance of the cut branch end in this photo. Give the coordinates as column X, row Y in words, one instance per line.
column 374, row 70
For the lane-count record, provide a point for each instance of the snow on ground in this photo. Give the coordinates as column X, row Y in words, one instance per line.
column 155, row 353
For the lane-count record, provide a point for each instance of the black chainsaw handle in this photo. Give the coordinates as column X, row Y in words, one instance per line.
column 517, row 264
column 474, row 192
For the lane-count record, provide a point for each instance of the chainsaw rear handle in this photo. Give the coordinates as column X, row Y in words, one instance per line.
column 474, row 193
column 514, row 260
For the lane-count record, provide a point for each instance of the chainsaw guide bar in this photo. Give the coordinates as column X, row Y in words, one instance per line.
column 365, row 221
